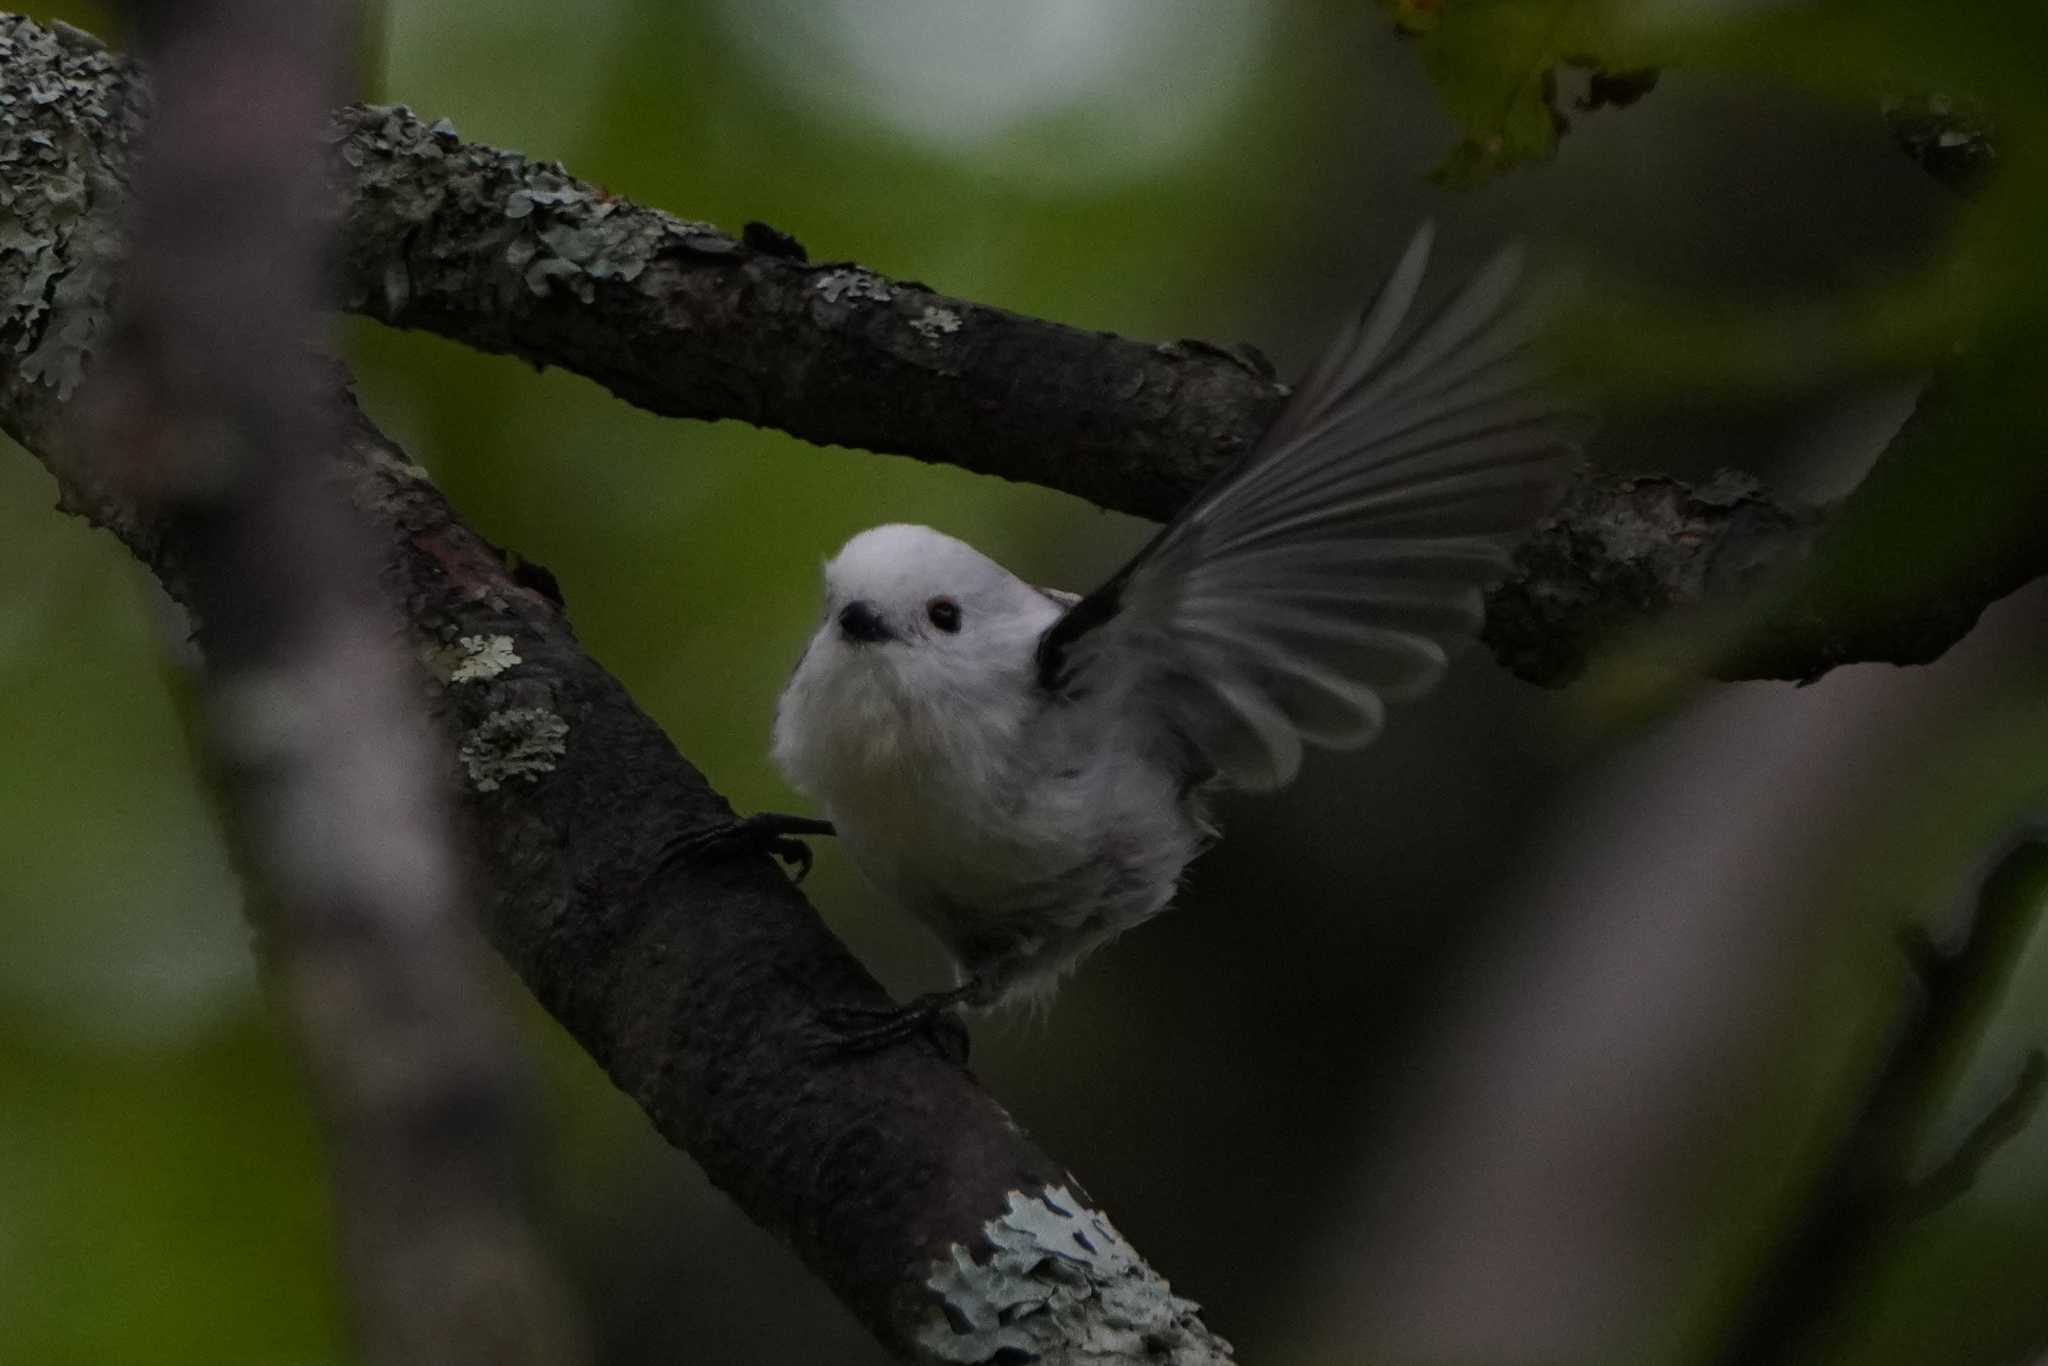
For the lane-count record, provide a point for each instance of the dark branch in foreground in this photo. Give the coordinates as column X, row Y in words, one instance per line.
column 517, row 257
column 215, row 423
column 899, row 1181
column 1867, row 1189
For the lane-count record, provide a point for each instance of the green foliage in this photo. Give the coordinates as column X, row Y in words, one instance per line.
column 1495, row 67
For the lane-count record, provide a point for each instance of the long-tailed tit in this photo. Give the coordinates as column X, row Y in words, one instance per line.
column 1024, row 769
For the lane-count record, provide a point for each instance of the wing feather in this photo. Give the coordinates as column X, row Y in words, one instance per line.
column 1337, row 564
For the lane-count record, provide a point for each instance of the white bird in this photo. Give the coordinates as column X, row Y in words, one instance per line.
column 1024, row 769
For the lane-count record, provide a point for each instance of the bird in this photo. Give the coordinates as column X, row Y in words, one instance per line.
column 1028, row 771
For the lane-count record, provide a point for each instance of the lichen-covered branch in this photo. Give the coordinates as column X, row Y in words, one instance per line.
column 698, row 986
column 207, row 416
column 516, row 256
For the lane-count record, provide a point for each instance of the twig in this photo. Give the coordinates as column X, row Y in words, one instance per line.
column 1866, row 1190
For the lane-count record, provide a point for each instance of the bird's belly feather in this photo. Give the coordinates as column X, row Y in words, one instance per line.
column 1018, row 881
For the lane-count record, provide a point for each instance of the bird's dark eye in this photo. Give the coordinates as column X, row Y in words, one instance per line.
column 945, row 614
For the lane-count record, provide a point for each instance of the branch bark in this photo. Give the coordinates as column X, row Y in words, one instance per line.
column 897, row 1179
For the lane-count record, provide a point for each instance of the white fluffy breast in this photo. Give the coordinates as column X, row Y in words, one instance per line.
column 1021, row 829
column 915, row 743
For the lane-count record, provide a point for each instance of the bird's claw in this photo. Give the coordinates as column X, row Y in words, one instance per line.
column 851, row 1031
column 793, row 852
column 767, row 832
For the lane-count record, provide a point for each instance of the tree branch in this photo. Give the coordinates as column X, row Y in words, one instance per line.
column 517, row 257
column 1866, row 1191
column 897, row 1179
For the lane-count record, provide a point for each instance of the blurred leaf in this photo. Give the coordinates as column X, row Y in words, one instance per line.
column 1949, row 518
column 1494, row 64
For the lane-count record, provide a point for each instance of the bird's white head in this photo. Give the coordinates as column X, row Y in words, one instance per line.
column 911, row 601
column 925, row 642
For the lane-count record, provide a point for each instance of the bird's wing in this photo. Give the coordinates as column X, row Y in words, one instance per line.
column 1334, row 564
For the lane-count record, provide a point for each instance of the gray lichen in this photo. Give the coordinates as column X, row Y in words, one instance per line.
column 1061, row 1286
column 475, row 659
column 62, row 120
column 935, row 322
column 518, row 742
column 842, row 283
column 558, row 234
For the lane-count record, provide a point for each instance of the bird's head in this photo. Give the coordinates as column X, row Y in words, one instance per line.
column 925, row 641
column 910, row 598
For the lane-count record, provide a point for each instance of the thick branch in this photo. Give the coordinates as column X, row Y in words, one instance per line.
column 894, row 1175
column 515, row 256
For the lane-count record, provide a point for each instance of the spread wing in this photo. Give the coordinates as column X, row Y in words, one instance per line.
column 1333, row 565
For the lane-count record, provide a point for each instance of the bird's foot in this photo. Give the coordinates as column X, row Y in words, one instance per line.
column 764, row 832
column 850, row 1031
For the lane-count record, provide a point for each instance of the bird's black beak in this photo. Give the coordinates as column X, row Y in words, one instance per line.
column 862, row 625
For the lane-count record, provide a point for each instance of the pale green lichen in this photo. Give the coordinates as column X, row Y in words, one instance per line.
column 558, row 236
column 935, row 322
column 844, row 283
column 483, row 657
column 518, row 742
column 574, row 239
column 1061, row 1285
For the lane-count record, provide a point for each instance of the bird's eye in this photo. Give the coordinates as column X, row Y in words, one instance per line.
column 944, row 614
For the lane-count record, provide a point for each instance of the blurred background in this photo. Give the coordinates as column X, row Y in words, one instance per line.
column 1513, row 1039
